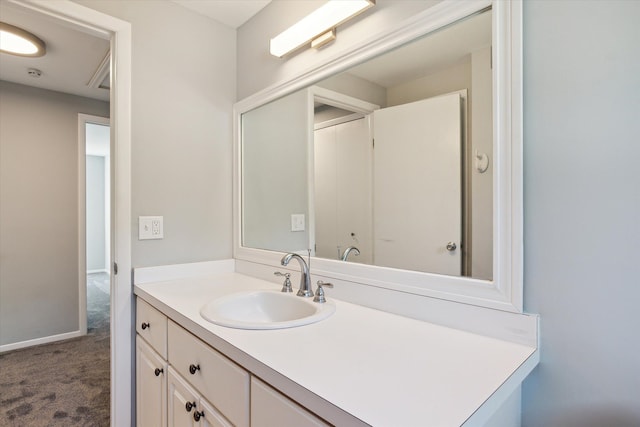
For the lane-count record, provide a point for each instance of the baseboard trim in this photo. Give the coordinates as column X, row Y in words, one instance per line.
column 39, row 341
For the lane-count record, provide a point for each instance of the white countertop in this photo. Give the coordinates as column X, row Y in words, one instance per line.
column 382, row 369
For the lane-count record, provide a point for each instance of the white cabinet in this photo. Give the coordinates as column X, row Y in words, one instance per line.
column 151, row 390
column 187, row 408
column 181, row 381
column 269, row 408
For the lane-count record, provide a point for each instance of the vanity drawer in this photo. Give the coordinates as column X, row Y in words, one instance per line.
column 217, row 379
column 152, row 326
column 270, row 408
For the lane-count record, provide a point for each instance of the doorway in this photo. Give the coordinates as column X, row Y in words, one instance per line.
column 94, row 136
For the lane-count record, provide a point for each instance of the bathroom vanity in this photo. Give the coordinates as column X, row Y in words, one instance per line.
column 358, row 367
column 428, row 328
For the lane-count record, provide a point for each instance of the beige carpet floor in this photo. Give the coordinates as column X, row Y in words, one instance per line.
column 64, row 383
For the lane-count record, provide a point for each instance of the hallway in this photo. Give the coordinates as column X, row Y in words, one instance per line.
column 66, row 383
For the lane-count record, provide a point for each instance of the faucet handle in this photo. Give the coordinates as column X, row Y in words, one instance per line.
column 286, row 286
column 320, row 291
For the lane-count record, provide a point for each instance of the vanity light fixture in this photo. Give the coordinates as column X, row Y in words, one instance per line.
column 16, row 41
column 319, row 26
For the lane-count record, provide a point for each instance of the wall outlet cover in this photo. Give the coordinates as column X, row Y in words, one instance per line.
column 297, row 222
column 150, row 227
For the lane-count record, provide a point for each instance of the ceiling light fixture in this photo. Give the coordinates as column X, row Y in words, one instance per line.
column 16, row 41
column 320, row 25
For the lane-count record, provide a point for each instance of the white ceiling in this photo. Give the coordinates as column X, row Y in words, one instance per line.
column 71, row 61
column 232, row 13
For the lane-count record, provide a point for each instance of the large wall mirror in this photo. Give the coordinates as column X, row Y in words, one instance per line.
column 397, row 165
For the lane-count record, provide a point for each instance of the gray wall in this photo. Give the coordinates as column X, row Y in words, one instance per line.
column 95, row 213
column 582, row 211
column 39, row 211
column 182, row 99
column 582, row 203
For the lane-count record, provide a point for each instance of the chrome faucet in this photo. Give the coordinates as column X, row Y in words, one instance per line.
column 347, row 251
column 305, row 279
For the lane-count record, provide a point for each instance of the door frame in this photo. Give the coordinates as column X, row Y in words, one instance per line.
column 334, row 99
column 83, row 120
column 119, row 33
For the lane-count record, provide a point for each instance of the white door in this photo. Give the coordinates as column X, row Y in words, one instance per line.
column 417, row 153
column 342, row 186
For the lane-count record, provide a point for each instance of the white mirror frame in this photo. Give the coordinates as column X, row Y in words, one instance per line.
column 505, row 291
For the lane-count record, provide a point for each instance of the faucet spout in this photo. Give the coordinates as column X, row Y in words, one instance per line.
column 305, row 278
column 347, row 251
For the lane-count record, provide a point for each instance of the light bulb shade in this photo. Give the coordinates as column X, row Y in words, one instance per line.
column 322, row 20
column 16, row 41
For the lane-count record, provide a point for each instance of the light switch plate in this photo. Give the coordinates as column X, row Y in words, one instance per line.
column 150, row 227
column 297, row 222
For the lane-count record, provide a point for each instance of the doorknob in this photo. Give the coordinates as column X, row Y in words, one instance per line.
column 451, row 246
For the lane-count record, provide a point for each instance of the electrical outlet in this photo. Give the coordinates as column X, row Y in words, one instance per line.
column 297, row 222
column 150, row 227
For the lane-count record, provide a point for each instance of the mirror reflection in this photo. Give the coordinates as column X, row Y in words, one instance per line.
column 388, row 163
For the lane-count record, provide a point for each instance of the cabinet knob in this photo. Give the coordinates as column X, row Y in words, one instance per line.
column 158, row 371
column 145, row 325
column 193, row 368
column 189, row 406
column 197, row 415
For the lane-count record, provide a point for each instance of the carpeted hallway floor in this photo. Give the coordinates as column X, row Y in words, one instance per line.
column 64, row 383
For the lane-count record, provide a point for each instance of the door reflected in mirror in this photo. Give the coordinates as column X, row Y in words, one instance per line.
column 383, row 164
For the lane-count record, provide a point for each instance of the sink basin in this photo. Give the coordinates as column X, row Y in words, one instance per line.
column 265, row 310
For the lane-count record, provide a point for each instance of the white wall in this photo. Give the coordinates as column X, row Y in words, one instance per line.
column 582, row 211
column 451, row 79
column 39, row 211
column 183, row 90
column 96, row 214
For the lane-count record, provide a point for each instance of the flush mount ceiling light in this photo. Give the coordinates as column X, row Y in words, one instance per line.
column 318, row 27
column 16, row 41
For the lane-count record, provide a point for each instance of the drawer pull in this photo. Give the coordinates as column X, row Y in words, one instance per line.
column 145, row 325
column 197, row 415
column 193, row 368
column 189, row 406
column 158, row 371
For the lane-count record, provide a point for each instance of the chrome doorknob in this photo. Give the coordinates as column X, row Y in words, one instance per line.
column 451, row 246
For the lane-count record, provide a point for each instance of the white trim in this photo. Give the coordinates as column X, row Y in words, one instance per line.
column 83, row 119
column 101, row 72
column 97, row 271
column 504, row 292
column 181, row 271
column 338, row 121
column 122, row 340
column 40, row 341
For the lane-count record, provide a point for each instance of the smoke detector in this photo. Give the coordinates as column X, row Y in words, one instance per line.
column 34, row 72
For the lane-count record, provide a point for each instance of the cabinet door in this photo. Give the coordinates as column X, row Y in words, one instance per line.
column 151, row 386
column 183, row 402
column 269, row 408
column 212, row 418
